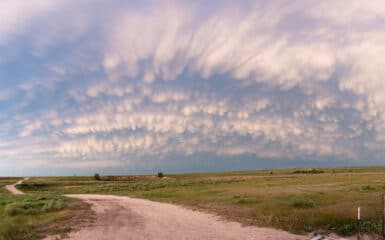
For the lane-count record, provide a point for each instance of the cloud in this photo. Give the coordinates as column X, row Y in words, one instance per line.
column 184, row 80
column 250, row 49
column 15, row 15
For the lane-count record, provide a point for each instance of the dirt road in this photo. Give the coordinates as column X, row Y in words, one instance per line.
column 123, row 218
column 12, row 188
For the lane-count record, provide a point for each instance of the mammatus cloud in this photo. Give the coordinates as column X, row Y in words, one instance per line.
column 161, row 84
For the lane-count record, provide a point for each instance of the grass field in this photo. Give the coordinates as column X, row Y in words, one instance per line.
column 298, row 201
column 33, row 216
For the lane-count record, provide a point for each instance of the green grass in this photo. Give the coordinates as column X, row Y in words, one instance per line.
column 288, row 199
column 302, row 201
column 32, row 216
column 32, row 204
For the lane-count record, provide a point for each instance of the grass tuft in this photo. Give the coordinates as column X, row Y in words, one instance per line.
column 302, row 201
column 311, row 171
column 367, row 188
column 238, row 199
column 33, row 206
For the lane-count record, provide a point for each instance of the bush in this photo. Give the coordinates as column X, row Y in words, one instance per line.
column 160, row 175
column 238, row 199
column 350, row 227
column 367, row 188
column 32, row 186
column 302, row 202
column 311, row 171
column 34, row 206
column 97, row 176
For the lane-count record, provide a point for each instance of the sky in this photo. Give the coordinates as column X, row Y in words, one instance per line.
column 135, row 87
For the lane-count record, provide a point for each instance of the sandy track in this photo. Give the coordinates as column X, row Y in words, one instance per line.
column 123, row 218
column 12, row 188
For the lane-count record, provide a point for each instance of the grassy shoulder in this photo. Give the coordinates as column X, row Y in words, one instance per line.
column 298, row 201
column 33, row 216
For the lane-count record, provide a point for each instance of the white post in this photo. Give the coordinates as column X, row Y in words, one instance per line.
column 358, row 222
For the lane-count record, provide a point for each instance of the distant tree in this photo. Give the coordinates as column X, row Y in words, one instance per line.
column 97, row 176
column 160, row 175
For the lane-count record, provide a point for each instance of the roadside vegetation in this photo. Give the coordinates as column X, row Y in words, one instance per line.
column 295, row 200
column 308, row 171
column 33, row 216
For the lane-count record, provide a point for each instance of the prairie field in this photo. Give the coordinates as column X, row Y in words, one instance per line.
column 296, row 200
column 33, row 216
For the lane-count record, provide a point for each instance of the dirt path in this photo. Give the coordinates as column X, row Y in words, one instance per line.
column 12, row 188
column 124, row 218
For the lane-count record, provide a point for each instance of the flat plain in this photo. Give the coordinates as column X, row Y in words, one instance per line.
column 33, row 216
column 295, row 200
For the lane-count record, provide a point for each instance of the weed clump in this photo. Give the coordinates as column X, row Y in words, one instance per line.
column 302, row 202
column 238, row 199
column 34, row 206
column 97, row 176
column 310, row 171
column 367, row 226
column 367, row 188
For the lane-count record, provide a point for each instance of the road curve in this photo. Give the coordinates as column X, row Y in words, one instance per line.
column 12, row 188
column 124, row 218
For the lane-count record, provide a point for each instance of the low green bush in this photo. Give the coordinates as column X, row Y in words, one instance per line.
column 367, row 188
column 34, row 206
column 97, row 176
column 312, row 171
column 302, row 202
column 240, row 201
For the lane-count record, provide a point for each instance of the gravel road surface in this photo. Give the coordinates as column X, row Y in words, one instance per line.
column 12, row 188
column 123, row 218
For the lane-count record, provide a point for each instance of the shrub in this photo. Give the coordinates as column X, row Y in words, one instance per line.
column 97, row 176
column 53, row 205
column 239, row 200
column 302, row 202
column 367, row 188
column 311, row 171
column 160, row 175
column 13, row 210
column 34, row 206
column 31, row 186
